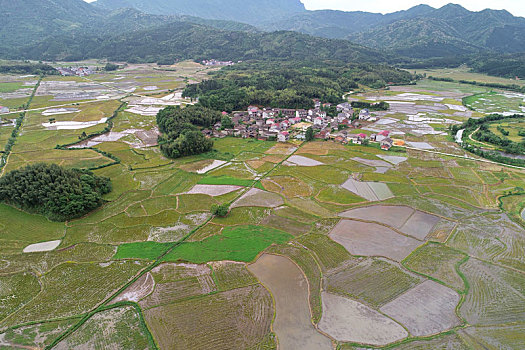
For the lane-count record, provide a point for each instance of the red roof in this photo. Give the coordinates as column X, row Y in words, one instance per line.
column 384, row 133
column 363, row 136
column 285, row 133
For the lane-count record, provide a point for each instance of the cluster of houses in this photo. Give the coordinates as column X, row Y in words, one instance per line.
column 217, row 63
column 285, row 124
column 4, row 109
column 74, row 71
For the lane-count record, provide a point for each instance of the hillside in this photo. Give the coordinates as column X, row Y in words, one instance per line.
column 183, row 40
column 245, row 11
column 449, row 30
column 28, row 21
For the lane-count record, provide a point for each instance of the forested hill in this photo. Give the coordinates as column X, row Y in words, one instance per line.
column 245, row 11
column 182, row 40
column 421, row 31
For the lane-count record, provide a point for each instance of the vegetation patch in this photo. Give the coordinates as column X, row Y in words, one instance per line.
column 120, row 327
column 373, row 281
column 437, row 261
column 236, row 319
column 239, row 243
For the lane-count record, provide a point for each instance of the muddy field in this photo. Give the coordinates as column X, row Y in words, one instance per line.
column 259, row 198
column 426, row 309
column 213, row 190
column 407, row 220
column 371, row 191
column 289, row 288
column 369, row 239
column 350, row 321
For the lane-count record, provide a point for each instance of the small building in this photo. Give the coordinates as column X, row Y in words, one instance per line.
column 386, row 144
column 283, row 136
column 4, row 109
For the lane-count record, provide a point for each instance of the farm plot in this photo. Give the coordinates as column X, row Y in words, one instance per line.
column 496, row 294
column 143, row 287
column 350, row 321
column 407, row 220
column 16, row 291
column 437, row 261
column 238, row 243
column 259, row 198
column 213, row 190
column 500, row 239
column 426, row 309
column 68, row 283
column 230, row 275
column 288, row 225
column 289, row 288
column 118, row 328
column 237, row 319
column 373, row 281
column 371, row 191
column 371, row 239
column 38, row 335
column 444, row 342
column 195, row 281
column 303, row 161
column 42, row 247
column 504, row 337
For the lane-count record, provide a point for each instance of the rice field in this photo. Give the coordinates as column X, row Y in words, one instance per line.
column 370, row 239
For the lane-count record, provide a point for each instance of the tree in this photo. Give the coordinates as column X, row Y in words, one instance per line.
column 309, row 136
column 220, row 210
column 226, row 122
column 111, row 67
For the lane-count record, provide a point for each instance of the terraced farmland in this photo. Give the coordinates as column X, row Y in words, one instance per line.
column 324, row 246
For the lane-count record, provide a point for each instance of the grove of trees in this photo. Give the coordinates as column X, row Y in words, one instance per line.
column 56, row 192
column 180, row 127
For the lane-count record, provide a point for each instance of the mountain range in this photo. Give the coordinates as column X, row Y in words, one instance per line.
column 164, row 30
column 421, row 31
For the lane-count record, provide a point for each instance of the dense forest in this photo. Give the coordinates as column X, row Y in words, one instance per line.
column 289, row 84
column 58, row 193
column 181, row 134
column 27, row 68
column 506, row 66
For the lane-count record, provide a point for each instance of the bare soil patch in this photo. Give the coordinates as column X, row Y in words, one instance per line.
column 371, row 191
column 425, row 309
column 350, row 321
column 370, row 239
column 289, row 288
column 42, row 247
column 303, row 161
column 138, row 290
column 213, row 190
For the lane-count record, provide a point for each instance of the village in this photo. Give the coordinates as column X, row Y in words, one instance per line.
column 282, row 125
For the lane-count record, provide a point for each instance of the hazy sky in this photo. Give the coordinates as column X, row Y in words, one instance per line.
column 516, row 7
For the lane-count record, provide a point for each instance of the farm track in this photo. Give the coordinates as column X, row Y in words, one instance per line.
column 104, row 304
